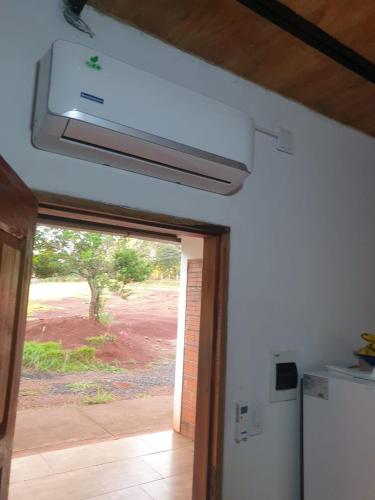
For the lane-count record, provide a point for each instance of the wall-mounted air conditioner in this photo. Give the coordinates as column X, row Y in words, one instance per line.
column 99, row 109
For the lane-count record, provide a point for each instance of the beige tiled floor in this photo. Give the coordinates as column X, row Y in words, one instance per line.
column 152, row 466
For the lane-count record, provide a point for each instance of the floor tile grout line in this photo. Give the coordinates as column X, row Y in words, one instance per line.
column 114, row 491
column 118, row 489
column 155, row 481
column 58, row 473
column 45, row 461
column 137, row 485
column 95, row 422
column 146, row 492
column 63, row 444
column 77, row 444
column 169, row 449
column 112, row 460
column 153, row 468
column 158, row 472
column 91, row 440
column 148, row 444
column 54, row 472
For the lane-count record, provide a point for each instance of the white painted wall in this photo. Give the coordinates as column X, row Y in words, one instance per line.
column 191, row 248
column 302, row 261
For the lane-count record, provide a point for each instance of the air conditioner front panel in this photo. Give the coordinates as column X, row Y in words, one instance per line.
column 143, row 101
column 124, row 117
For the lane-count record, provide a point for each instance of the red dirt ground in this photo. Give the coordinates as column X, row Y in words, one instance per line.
column 130, row 347
column 145, row 327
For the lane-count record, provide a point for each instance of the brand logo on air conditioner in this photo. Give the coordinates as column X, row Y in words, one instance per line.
column 93, row 63
column 91, row 97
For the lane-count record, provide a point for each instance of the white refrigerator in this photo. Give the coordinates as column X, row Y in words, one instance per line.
column 338, row 437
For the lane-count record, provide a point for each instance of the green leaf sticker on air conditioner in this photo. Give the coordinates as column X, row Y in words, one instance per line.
column 93, row 63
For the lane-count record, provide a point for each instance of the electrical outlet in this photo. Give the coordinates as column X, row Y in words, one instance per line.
column 284, row 140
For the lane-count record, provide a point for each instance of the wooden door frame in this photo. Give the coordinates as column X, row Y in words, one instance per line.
column 208, row 455
column 209, row 425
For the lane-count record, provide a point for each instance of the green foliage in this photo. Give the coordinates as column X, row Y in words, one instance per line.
column 49, row 356
column 105, row 318
column 157, row 363
column 34, row 307
column 141, row 395
column 101, row 396
column 101, row 339
column 84, row 355
column 94, row 393
column 167, row 260
column 47, row 262
column 130, row 267
column 104, row 261
column 68, row 278
column 31, row 392
column 165, row 257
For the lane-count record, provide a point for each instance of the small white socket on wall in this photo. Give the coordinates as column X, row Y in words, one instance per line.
column 284, row 378
column 284, row 140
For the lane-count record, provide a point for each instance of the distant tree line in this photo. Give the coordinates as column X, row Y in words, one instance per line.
column 104, row 261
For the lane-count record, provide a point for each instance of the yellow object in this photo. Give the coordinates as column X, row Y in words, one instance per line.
column 369, row 337
column 368, row 350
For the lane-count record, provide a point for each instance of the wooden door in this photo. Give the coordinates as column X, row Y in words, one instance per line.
column 18, row 212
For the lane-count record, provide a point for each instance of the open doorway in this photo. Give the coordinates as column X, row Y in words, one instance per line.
column 110, row 361
column 108, row 481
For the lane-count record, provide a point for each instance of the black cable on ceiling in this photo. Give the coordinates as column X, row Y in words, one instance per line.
column 288, row 20
column 77, row 6
column 72, row 13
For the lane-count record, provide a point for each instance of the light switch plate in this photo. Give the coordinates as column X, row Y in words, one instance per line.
column 281, row 357
column 242, row 421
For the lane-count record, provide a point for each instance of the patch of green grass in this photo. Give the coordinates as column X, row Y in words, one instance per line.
column 100, row 397
column 131, row 361
column 31, row 392
column 50, row 356
column 106, row 318
column 101, row 339
column 83, row 386
column 156, row 363
column 141, row 395
column 147, row 286
column 59, row 279
column 34, row 307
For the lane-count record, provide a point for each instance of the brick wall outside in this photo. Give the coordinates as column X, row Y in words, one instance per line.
column 191, row 347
